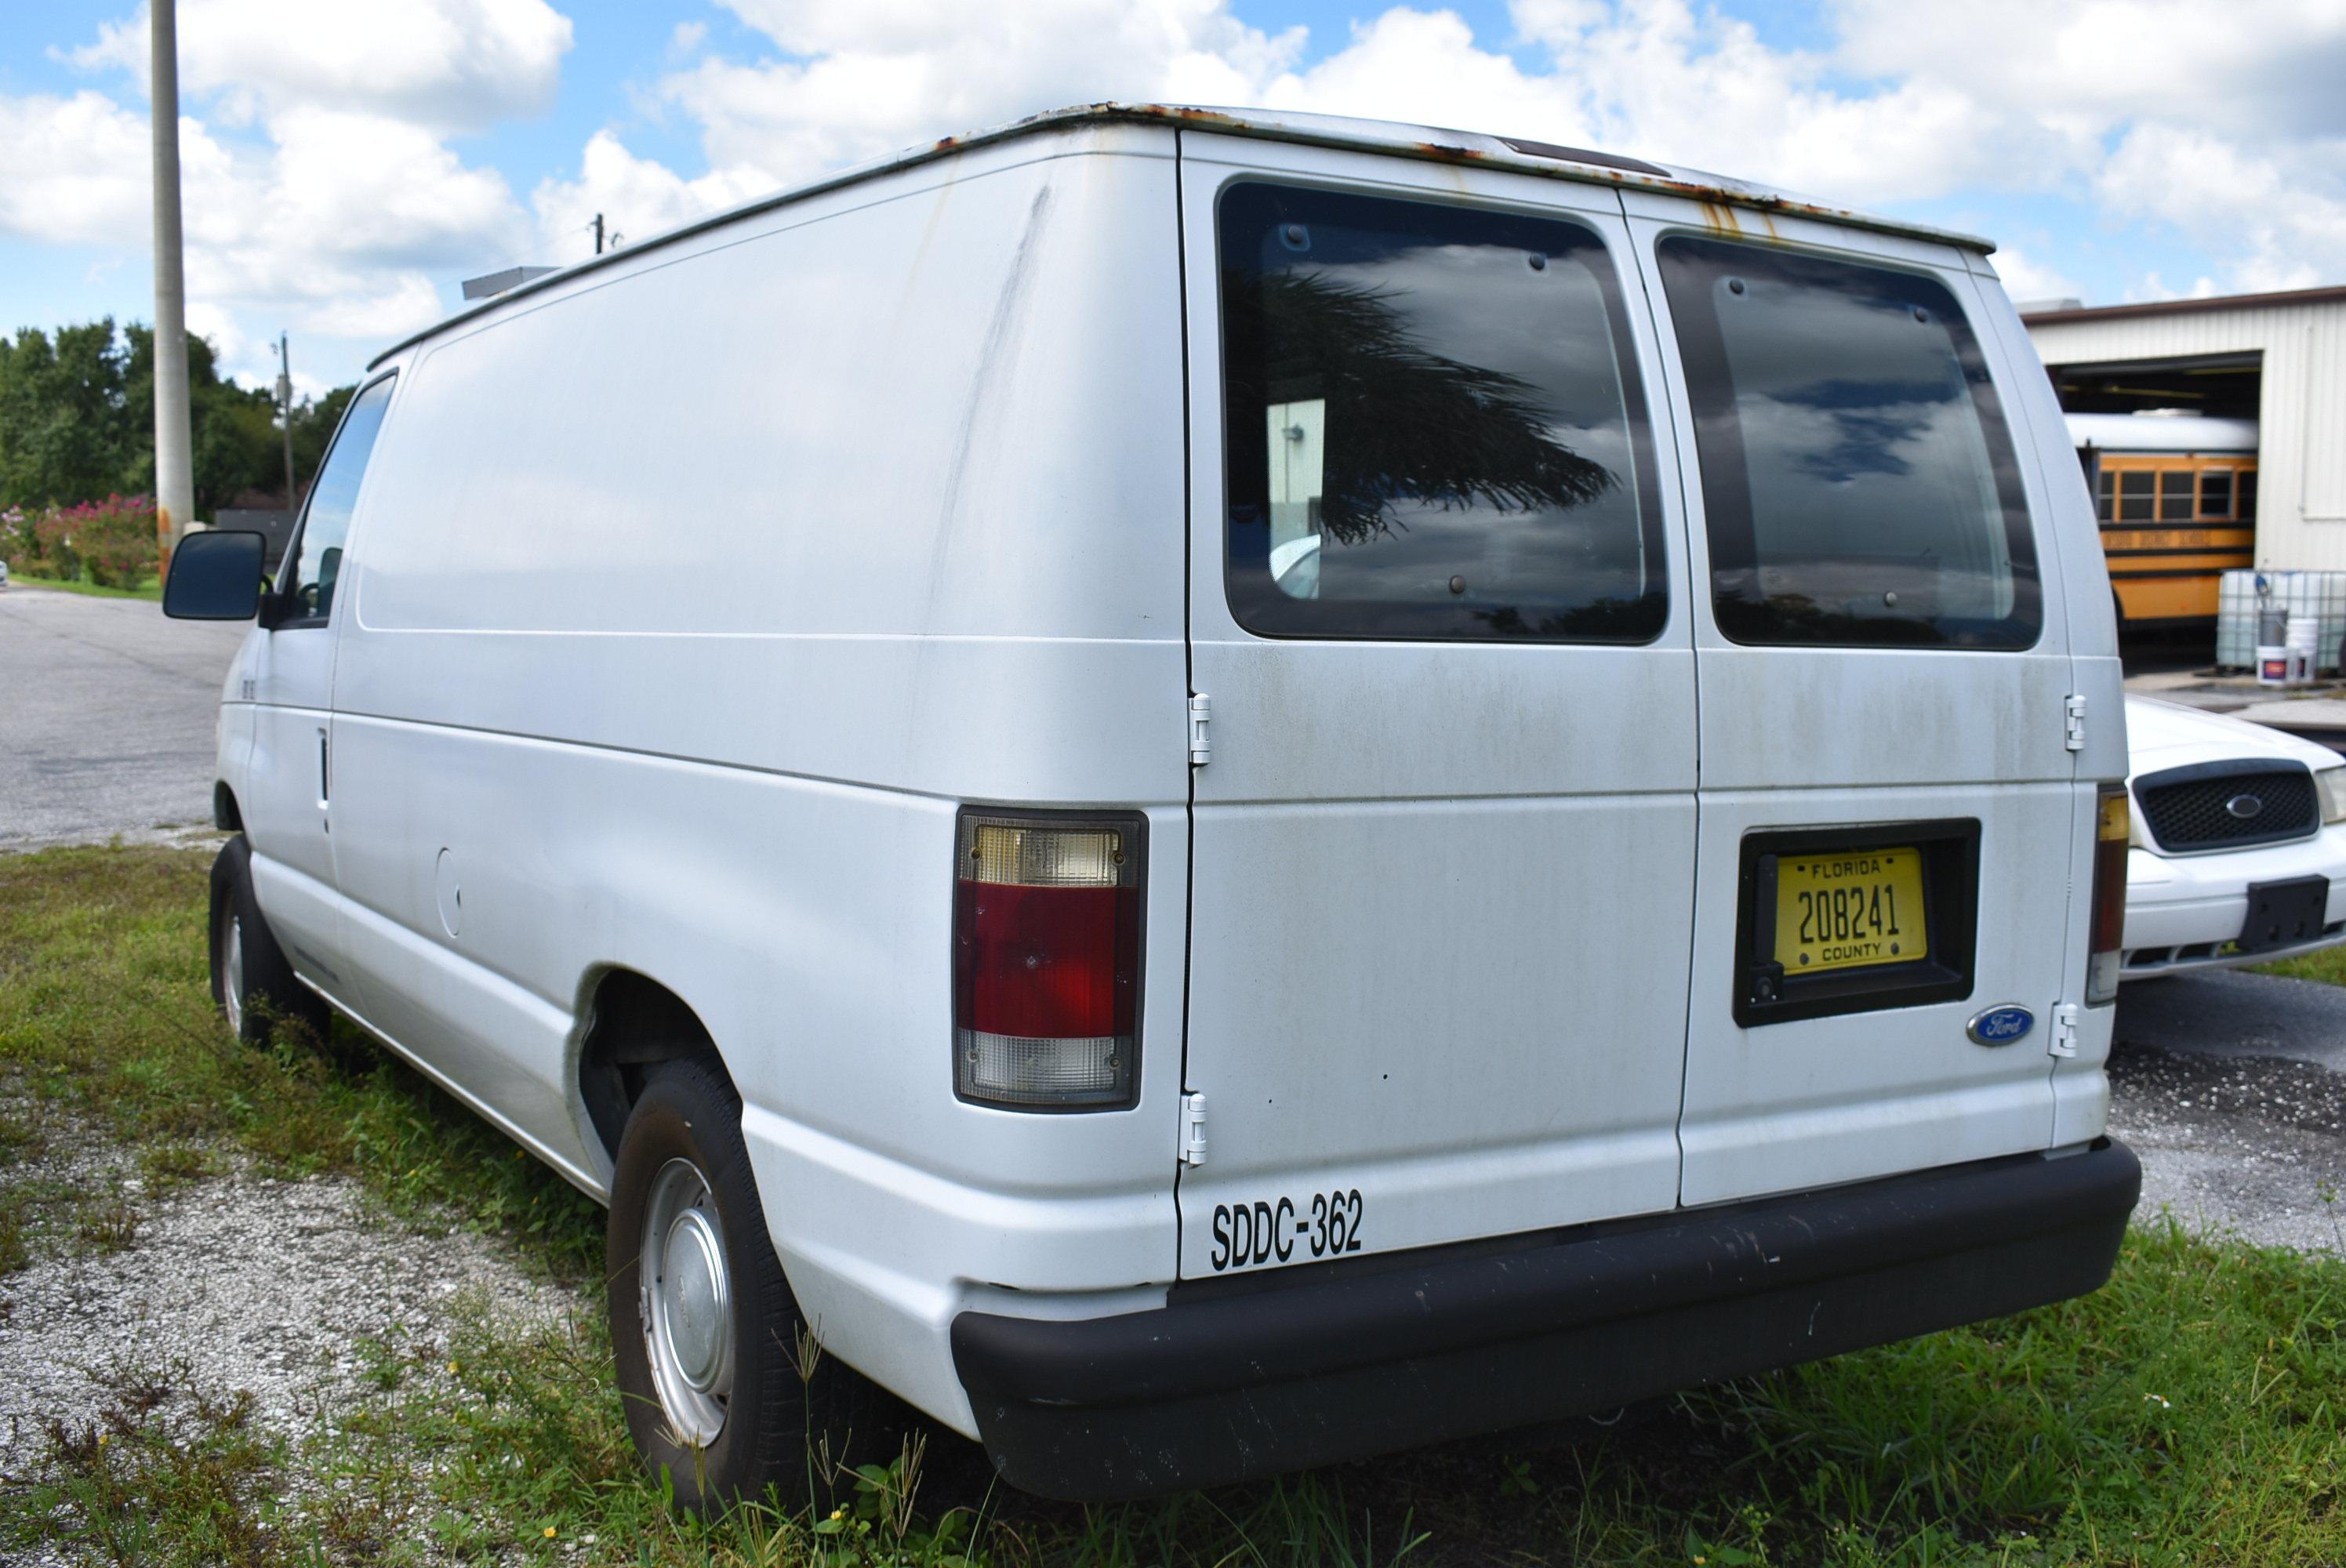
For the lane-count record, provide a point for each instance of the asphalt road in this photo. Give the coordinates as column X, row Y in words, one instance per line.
column 2231, row 1086
column 106, row 714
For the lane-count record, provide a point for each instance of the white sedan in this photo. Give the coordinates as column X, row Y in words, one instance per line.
column 2238, row 851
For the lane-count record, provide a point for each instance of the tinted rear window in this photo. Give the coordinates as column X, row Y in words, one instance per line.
column 1858, row 480
column 1433, row 426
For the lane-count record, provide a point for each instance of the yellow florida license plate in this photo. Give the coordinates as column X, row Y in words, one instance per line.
column 1849, row 910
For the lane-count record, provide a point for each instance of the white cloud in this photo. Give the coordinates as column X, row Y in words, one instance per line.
column 324, row 190
column 874, row 76
column 2248, row 66
column 333, row 206
column 76, row 169
column 450, row 65
column 2028, row 281
column 219, row 327
column 1908, row 100
column 399, row 305
column 318, row 188
column 640, row 196
column 2287, row 231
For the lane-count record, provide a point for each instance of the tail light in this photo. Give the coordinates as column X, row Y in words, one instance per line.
column 2112, row 830
column 1046, row 960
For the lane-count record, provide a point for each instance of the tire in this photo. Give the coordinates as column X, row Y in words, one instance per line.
column 745, row 1419
column 253, row 985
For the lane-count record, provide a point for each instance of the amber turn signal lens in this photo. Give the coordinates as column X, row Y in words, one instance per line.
column 2113, row 826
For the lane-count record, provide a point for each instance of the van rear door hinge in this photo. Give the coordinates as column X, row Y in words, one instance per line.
column 2075, row 706
column 1201, row 744
column 1193, row 1129
column 2064, row 1042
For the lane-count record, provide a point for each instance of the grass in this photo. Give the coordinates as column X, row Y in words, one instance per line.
column 152, row 591
column 2328, row 966
column 2194, row 1411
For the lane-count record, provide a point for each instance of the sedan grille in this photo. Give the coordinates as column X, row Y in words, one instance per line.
column 2227, row 805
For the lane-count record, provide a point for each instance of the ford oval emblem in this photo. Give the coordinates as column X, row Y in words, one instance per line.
column 2001, row 1025
column 2244, row 805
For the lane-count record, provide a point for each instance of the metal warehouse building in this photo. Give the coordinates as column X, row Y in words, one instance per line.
column 2263, row 464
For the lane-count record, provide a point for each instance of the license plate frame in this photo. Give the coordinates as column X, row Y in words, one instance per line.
column 1766, row 993
column 2284, row 914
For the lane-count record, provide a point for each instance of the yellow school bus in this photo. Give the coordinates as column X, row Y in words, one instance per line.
column 2177, row 503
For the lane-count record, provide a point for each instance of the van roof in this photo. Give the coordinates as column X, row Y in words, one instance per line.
column 1393, row 138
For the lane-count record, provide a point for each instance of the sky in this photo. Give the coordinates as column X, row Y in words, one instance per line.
column 347, row 163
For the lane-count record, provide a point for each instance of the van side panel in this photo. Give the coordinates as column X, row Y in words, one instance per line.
column 694, row 598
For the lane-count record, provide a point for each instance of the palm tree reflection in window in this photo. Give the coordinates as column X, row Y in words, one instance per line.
column 1392, row 423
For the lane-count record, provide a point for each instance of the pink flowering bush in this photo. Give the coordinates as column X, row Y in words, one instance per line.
column 113, row 541
column 19, row 547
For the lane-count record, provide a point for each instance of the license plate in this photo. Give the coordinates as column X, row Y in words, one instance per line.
column 1851, row 910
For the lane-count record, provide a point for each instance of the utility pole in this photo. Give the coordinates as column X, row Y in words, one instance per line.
column 285, row 404
column 175, row 480
column 599, row 234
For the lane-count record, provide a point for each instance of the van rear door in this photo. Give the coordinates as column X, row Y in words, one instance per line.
column 1443, row 848
column 1889, row 806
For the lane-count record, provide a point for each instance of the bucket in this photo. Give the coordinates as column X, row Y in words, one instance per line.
column 2272, row 647
column 2304, row 638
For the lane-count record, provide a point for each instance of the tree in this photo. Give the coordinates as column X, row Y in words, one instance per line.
column 64, row 426
column 313, row 427
column 77, row 421
column 234, row 429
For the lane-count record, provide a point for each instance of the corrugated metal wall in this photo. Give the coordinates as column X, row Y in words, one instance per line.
column 2301, row 447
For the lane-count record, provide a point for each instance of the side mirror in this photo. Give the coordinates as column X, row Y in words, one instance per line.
column 215, row 577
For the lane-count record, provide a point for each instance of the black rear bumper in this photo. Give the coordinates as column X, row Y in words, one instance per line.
column 1250, row 1375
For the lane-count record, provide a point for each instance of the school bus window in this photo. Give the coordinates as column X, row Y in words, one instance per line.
column 2247, row 507
column 2215, row 493
column 2175, row 498
column 2135, row 505
column 2106, row 498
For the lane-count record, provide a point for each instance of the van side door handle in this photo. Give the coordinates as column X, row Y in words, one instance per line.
column 324, row 771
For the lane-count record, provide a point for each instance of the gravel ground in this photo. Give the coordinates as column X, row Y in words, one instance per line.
column 286, row 1289
column 279, row 1287
column 263, row 1285
column 2254, row 1145
column 289, row 1289
column 2232, row 1088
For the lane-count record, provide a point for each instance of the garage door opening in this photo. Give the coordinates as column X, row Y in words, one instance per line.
column 2169, row 447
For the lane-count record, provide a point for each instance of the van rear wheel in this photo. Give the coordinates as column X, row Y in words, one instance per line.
column 723, row 1388
column 253, row 983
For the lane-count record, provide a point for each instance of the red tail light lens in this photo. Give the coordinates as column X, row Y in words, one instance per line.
column 2112, row 829
column 1046, row 960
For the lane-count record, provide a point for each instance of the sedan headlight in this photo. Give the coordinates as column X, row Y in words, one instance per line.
column 2332, row 784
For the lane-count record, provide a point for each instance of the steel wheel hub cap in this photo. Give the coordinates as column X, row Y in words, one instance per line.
column 687, row 1303
column 694, row 1280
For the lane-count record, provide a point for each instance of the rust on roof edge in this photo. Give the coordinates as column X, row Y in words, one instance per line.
column 1178, row 116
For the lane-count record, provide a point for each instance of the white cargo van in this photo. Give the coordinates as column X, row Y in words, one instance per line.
column 1217, row 791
